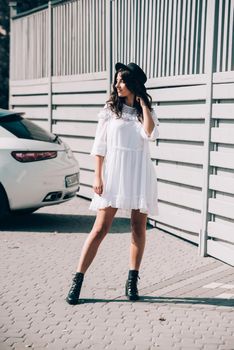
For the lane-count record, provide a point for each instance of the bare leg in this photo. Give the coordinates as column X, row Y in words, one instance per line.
column 138, row 224
column 100, row 228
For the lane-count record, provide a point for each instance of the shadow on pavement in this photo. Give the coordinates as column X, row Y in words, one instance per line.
column 166, row 300
column 59, row 223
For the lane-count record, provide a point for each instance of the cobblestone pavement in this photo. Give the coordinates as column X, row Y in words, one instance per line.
column 187, row 301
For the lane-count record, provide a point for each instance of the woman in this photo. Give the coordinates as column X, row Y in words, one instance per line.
column 124, row 174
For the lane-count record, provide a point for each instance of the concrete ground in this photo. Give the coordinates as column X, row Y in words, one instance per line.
column 187, row 301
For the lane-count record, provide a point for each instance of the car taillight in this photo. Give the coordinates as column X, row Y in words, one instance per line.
column 26, row 156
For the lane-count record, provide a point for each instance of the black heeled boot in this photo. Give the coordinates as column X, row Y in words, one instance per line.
column 74, row 292
column 131, row 290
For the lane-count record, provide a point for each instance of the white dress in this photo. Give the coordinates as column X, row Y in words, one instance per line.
column 129, row 176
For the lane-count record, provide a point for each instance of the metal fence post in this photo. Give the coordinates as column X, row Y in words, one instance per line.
column 109, row 45
column 13, row 12
column 209, row 51
column 50, row 63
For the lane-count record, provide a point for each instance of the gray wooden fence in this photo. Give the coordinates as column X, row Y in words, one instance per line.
column 62, row 60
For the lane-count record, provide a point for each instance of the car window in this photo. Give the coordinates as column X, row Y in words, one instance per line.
column 25, row 129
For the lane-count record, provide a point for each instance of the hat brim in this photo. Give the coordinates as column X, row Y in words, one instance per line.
column 121, row 66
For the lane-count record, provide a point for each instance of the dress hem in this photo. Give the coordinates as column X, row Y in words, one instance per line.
column 104, row 203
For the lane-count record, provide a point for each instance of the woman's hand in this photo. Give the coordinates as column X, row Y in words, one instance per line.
column 98, row 185
column 148, row 122
column 140, row 101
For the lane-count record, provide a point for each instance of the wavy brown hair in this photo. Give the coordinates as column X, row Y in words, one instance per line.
column 136, row 87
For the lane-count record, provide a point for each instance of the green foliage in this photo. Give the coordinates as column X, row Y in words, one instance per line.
column 26, row 5
column 4, row 53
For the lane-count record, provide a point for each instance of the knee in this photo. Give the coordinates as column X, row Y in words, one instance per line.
column 137, row 228
column 99, row 232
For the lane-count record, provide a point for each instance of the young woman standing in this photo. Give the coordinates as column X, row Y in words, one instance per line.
column 124, row 174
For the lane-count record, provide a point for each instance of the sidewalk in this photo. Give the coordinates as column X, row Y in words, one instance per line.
column 187, row 301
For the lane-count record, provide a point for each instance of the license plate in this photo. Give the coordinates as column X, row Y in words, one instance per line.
column 72, row 180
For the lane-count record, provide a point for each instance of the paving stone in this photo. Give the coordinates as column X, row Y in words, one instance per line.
column 5, row 346
column 177, row 309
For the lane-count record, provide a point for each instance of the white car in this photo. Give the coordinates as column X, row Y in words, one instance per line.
column 36, row 167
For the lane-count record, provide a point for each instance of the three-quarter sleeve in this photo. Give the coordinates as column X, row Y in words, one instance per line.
column 155, row 133
column 99, row 145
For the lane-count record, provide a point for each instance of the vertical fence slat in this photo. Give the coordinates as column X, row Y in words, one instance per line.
column 133, row 25
column 92, row 31
column 231, row 38
column 75, row 31
column 87, row 34
column 182, row 38
column 151, row 53
column 70, row 32
column 187, row 36
column 178, row 38
column 196, row 39
column 160, row 35
column 202, row 51
column 79, row 37
column 103, row 45
column 60, row 57
column 173, row 40
column 207, row 126
column 225, row 35
column 41, row 45
column 169, row 36
column 219, row 38
column 56, row 51
column 192, row 38
column 114, row 32
column 164, row 47
column 50, row 63
column 68, row 42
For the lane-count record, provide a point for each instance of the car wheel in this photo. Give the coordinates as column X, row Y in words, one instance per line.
column 4, row 207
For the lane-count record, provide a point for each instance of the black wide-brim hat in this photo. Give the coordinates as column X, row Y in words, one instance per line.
column 137, row 72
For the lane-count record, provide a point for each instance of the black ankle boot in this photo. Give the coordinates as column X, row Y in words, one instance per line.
column 74, row 292
column 131, row 290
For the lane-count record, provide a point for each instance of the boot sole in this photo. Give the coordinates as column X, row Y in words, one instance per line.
column 132, row 298
column 71, row 302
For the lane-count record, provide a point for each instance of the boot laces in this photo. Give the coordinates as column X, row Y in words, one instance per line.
column 132, row 284
column 76, row 284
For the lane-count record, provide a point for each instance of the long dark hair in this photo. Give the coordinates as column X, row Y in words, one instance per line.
column 136, row 87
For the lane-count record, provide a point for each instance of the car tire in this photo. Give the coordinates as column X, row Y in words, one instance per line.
column 4, row 207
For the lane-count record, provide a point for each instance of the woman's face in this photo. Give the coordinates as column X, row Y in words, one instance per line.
column 121, row 87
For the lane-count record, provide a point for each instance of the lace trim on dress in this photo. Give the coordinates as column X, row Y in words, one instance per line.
column 129, row 113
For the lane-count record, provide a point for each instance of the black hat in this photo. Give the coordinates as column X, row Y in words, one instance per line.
column 133, row 68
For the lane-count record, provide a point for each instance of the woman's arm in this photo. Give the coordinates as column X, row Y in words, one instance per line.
column 98, row 182
column 148, row 122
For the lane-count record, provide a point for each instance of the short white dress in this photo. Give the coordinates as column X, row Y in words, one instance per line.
column 129, row 177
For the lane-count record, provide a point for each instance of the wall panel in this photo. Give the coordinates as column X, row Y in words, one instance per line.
column 221, row 203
